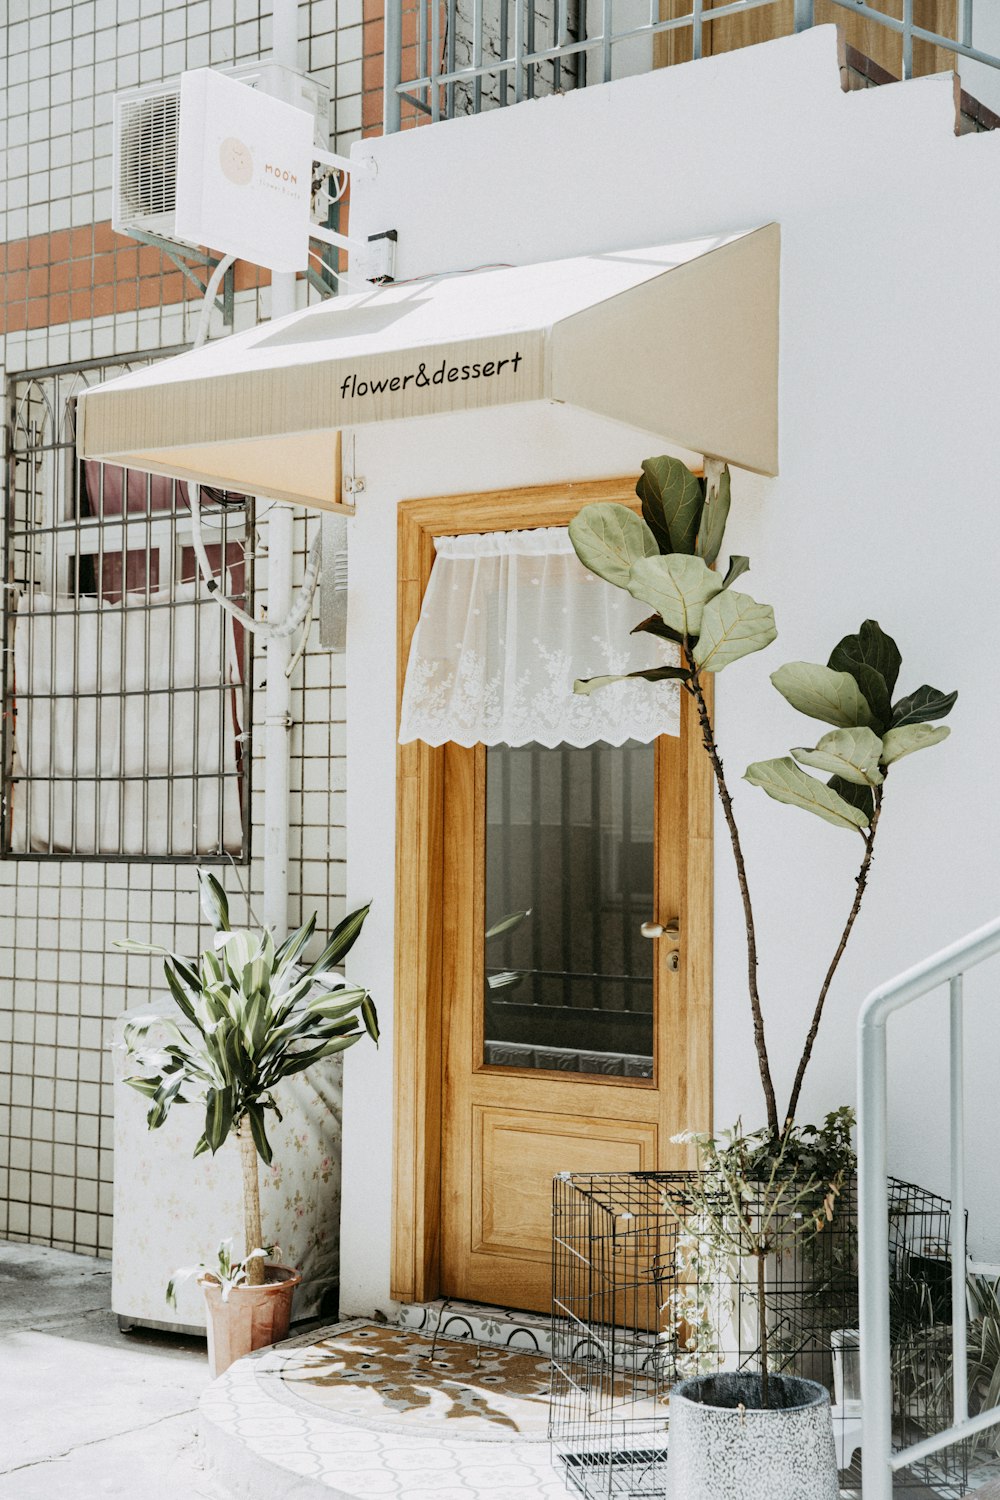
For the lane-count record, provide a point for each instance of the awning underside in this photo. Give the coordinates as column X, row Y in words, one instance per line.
column 677, row 340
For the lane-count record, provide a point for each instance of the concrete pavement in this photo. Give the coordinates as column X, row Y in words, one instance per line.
column 88, row 1413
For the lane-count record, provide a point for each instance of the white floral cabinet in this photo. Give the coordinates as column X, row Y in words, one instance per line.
column 171, row 1210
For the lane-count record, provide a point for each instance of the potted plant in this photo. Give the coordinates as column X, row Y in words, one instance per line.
column 252, row 1012
column 754, row 1199
column 665, row 558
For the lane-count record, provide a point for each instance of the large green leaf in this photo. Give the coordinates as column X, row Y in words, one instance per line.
column 214, row 901
column 786, row 782
column 678, row 588
column 588, row 685
column 738, row 565
column 609, row 538
column 861, row 797
column 853, row 754
column 876, row 695
column 672, row 499
column 822, row 693
column 732, row 625
column 910, row 737
column 714, row 515
column 873, row 660
column 926, row 703
column 653, row 625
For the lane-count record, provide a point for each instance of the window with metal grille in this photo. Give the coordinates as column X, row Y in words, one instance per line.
column 126, row 712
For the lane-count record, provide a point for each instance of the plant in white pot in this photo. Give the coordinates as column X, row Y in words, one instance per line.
column 665, row 558
column 252, row 1013
column 752, row 1202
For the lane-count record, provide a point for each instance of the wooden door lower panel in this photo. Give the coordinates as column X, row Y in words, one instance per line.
column 509, row 1259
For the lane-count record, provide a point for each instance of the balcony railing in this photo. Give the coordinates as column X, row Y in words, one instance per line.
column 451, row 57
column 883, row 1460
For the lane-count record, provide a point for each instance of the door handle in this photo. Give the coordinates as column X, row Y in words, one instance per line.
column 671, row 929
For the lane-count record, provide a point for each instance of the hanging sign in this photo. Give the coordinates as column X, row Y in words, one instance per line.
column 244, row 172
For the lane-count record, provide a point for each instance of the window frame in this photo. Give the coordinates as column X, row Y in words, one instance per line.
column 51, row 524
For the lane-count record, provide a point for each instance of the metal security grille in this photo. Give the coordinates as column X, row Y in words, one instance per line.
column 450, row 57
column 126, row 690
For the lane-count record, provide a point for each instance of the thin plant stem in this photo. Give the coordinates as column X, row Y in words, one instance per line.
column 762, row 1318
column 861, row 882
column 694, row 687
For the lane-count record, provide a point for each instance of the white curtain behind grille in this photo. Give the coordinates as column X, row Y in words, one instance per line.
column 509, row 620
column 124, row 736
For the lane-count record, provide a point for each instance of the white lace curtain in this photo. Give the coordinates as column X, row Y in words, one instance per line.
column 509, row 621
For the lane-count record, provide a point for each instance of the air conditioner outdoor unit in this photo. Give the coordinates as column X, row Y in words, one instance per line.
column 146, row 130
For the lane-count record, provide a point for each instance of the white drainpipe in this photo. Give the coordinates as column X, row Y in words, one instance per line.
column 277, row 719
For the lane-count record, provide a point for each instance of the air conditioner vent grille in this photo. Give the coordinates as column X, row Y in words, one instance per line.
column 147, row 165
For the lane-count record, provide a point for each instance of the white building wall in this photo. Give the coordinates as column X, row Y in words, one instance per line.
column 886, row 506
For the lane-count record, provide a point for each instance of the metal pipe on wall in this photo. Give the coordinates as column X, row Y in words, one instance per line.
column 277, row 716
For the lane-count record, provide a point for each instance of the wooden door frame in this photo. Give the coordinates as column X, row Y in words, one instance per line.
column 419, row 942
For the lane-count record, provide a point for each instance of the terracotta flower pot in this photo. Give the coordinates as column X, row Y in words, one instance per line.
column 250, row 1318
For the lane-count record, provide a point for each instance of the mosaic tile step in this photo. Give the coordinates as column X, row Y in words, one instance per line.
column 362, row 1409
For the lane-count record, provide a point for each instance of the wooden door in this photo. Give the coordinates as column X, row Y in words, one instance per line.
column 560, row 1049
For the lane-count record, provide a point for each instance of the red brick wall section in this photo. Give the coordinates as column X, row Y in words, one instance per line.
column 373, row 34
column 90, row 272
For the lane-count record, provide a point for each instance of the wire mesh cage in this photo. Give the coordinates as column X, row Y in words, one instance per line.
column 641, row 1300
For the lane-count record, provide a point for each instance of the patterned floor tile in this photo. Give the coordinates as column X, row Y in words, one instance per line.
column 362, row 1411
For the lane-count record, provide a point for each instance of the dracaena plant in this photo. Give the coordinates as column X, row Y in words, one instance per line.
column 664, row 558
column 253, row 1012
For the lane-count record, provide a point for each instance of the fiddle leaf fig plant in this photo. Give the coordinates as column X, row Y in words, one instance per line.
column 252, row 1012
column 665, row 558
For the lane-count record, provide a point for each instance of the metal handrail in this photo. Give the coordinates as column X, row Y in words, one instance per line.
column 438, row 74
column 947, row 967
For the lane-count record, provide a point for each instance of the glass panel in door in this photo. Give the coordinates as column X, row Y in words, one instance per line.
column 569, row 881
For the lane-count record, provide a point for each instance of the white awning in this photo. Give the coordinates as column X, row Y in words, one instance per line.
column 678, row 340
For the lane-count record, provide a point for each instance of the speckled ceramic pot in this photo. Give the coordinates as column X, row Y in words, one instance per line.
column 720, row 1452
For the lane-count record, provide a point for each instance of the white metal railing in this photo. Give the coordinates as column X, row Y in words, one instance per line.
column 946, row 967
column 463, row 56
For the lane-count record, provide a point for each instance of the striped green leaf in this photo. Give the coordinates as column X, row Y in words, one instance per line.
column 218, row 1117
column 214, row 901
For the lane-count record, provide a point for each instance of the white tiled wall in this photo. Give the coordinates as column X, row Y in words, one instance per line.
column 60, row 982
column 64, row 62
